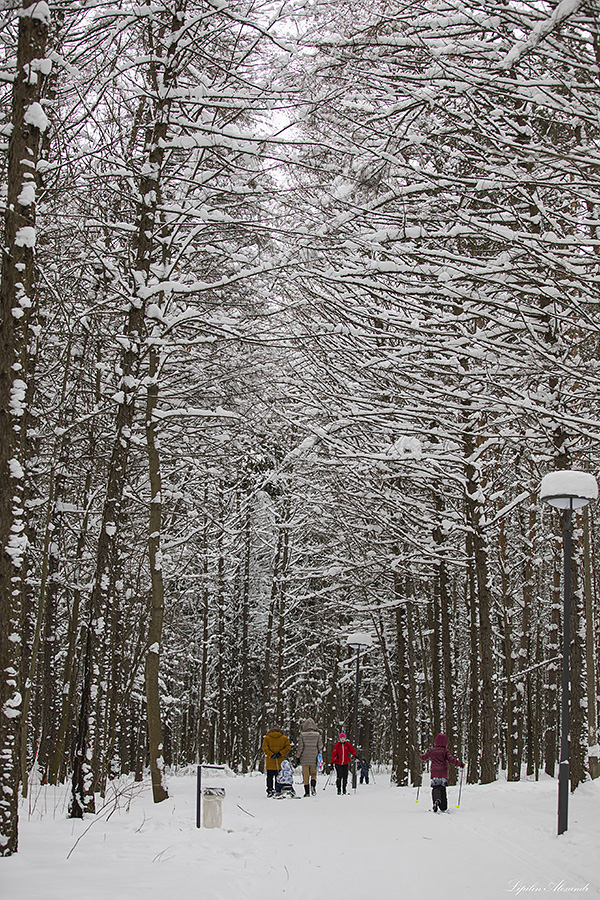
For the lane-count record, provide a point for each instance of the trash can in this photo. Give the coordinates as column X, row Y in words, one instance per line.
column 212, row 807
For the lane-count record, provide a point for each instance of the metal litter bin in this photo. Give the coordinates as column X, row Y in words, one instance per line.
column 212, row 807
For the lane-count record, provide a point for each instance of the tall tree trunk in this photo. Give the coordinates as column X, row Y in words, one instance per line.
column 402, row 737
column 48, row 597
column 476, row 518
column 244, row 729
column 554, row 670
column 329, row 715
column 414, row 759
column 393, row 684
column 424, row 663
column 201, row 713
column 433, row 627
column 512, row 744
column 474, row 728
column 280, row 565
column 69, row 678
column 85, row 762
column 157, row 592
column 578, row 723
column 281, row 628
column 525, row 643
column 221, row 639
column 266, row 711
column 446, row 604
column 17, row 295
column 37, row 635
column 594, row 762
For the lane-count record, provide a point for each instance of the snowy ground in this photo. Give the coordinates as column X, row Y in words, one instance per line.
column 501, row 842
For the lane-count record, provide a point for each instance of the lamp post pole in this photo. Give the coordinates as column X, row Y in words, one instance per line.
column 358, row 641
column 566, row 490
column 356, row 716
column 563, row 766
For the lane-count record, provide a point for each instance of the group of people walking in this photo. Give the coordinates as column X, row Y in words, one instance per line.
column 276, row 747
column 280, row 777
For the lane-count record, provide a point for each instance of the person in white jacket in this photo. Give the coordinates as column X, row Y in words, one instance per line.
column 310, row 744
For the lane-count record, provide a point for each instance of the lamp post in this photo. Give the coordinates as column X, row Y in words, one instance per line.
column 358, row 641
column 566, row 490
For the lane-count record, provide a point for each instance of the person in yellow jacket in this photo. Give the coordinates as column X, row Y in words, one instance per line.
column 276, row 747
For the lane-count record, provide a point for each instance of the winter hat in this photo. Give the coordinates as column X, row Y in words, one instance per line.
column 342, row 736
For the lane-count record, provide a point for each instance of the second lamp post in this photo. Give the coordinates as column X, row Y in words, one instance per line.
column 566, row 490
column 358, row 641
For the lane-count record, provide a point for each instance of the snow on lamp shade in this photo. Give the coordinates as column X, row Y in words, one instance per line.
column 567, row 489
column 359, row 639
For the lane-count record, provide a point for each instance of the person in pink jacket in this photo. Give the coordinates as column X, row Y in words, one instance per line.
column 440, row 756
column 341, row 755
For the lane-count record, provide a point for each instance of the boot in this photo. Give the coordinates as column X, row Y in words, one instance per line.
column 306, row 790
column 313, row 787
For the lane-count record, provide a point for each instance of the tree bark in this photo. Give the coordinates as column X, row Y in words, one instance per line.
column 474, row 727
column 554, row 670
column 414, row 759
column 474, row 504
column 17, row 295
column 157, row 592
column 594, row 764
column 393, row 689
column 578, row 723
column 402, row 736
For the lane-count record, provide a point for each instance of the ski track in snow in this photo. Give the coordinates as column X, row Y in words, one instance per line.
column 501, row 843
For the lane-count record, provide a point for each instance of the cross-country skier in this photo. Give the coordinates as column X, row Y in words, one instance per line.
column 440, row 756
column 341, row 755
column 364, row 767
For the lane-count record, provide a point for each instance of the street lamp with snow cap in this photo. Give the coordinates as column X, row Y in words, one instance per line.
column 566, row 490
column 359, row 641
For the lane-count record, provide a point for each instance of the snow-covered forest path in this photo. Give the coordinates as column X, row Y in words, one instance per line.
column 502, row 841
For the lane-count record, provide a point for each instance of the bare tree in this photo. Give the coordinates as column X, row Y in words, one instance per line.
column 17, row 292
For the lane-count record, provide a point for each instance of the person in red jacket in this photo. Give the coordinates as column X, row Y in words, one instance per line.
column 341, row 755
column 440, row 756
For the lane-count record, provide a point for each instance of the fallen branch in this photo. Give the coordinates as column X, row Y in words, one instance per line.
column 245, row 810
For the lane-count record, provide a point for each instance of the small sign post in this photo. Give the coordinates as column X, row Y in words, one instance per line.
column 199, row 798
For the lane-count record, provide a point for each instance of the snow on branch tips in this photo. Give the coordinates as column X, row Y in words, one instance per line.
column 564, row 9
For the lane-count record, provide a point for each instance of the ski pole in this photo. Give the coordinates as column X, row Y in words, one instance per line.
column 327, row 782
column 460, row 787
column 419, row 784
